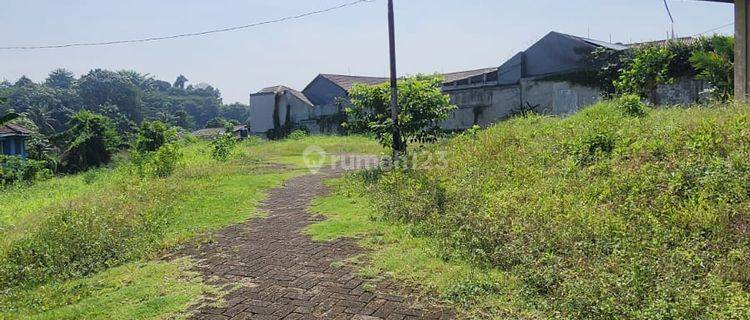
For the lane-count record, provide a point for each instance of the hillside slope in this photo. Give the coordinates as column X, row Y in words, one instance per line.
column 610, row 213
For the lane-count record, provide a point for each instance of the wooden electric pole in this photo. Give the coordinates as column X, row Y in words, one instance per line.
column 398, row 147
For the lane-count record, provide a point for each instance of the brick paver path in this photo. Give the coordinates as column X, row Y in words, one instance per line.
column 277, row 272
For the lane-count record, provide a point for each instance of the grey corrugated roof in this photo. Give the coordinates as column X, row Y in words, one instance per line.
column 14, row 129
column 281, row 88
column 347, row 82
column 598, row 43
column 454, row 76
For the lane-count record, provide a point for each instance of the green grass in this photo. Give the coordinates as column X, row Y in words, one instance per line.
column 152, row 290
column 20, row 201
column 398, row 253
column 606, row 214
column 99, row 222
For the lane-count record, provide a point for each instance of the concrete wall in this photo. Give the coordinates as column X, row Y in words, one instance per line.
column 262, row 109
column 558, row 97
column 481, row 106
column 261, row 112
column 684, row 91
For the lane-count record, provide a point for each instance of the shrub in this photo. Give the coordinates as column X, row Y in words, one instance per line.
column 156, row 151
column 297, row 135
column 160, row 163
column 14, row 169
column 631, row 105
column 223, row 147
column 152, row 135
column 717, row 66
column 649, row 67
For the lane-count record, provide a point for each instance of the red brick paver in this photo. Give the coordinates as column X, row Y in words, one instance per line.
column 276, row 272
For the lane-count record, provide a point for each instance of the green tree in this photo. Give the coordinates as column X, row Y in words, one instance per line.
column 60, row 79
column 717, row 66
column 103, row 87
column 422, row 104
column 236, row 111
column 218, row 122
column 180, row 82
column 91, row 140
column 43, row 117
column 24, row 81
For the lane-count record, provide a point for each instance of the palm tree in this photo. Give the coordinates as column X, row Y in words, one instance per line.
column 43, row 117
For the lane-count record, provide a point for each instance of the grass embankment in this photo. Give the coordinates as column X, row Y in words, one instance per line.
column 83, row 246
column 602, row 215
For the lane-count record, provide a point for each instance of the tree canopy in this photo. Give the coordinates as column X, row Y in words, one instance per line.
column 127, row 97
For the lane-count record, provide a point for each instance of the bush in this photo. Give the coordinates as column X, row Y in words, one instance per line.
column 152, row 135
column 297, row 135
column 600, row 215
column 91, row 140
column 717, row 66
column 160, row 163
column 223, row 147
column 156, row 151
column 631, row 105
column 649, row 67
column 14, row 169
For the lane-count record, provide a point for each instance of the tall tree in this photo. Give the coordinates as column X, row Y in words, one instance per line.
column 24, row 81
column 43, row 117
column 180, row 82
column 102, row 87
column 60, row 79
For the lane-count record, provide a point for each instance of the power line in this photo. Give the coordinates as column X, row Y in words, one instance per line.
column 712, row 30
column 184, row 35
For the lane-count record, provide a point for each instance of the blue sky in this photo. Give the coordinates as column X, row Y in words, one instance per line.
column 432, row 35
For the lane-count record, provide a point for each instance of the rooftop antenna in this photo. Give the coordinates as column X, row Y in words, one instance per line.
column 671, row 19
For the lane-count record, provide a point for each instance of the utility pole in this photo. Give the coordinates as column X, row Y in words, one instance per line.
column 397, row 146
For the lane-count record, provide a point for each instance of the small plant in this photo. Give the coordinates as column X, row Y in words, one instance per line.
column 297, row 135
column 89, row 177
column 472, row 132
column 466, row 293
column 223, row 147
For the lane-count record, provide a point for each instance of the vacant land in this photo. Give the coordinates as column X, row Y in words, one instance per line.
column 87, row 246
column 610, row 213
column 615, row 212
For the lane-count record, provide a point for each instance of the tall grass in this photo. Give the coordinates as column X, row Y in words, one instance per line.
column 603, row 215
